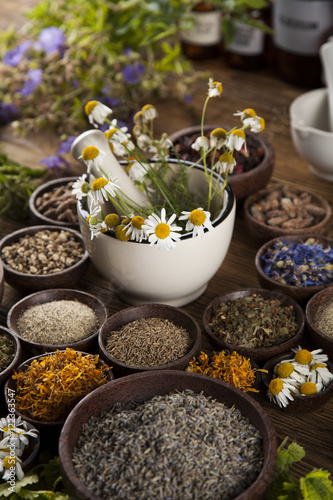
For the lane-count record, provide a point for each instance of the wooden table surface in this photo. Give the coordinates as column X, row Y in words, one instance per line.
column 270, row 97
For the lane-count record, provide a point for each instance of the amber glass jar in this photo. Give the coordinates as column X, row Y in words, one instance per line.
column 203, row 41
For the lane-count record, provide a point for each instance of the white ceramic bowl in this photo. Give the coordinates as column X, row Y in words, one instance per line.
column 309, row 123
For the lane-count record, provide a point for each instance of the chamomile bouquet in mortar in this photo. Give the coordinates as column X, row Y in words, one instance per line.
column 152, row 198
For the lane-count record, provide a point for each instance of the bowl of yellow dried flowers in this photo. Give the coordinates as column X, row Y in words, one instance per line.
column 10, row 353
column 300, row 380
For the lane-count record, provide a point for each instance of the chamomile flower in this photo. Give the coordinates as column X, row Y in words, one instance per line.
column 6, row 465
column 200, row 143
column 214, row 88
column 135, row 230
column 281, row 391
column 102, row 188
column 111, row 221
column 97, row 112
column 246, row 114
column 145, row 143
column 95, row 222
column 197, row 220
column 225, row 163
column 256, row 124
column 80, row 188
column 293, row 371
column 319, row 373
column 236, row 139
column 136, row 171
column 305, row 357
column 93, row 157
column 120, row 142
column 310, row 388
column 149, row 112
column 162, row 232
column 218, row 138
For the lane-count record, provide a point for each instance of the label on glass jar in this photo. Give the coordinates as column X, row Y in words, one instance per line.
column 206, row 28
column 301, row 26
column 248, row 41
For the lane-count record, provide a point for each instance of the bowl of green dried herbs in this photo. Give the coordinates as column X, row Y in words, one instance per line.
column 173, row 425
column 254, row 322
column 10, row 353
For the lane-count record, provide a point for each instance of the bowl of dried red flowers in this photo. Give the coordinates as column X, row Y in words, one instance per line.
column 285, row 210
column 149, row 337
column 254, row 164
column 296, row 265
column 319, row 320
column 10, row 353
column 257, row 323
column 171, row 424
column 300, row 380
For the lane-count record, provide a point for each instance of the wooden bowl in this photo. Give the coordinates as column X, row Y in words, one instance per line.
column 176, row 316
column 245, row 183
column 318, row 338
column 37, row 217
column 30, row 453
column 143, row 386
column 28, row 283
column 301, row 404
column 261, row 231
column 2, row 281
column 299, row 293
column 45, row 296
column 257, row 354
column 17, row 356
column 43, row 427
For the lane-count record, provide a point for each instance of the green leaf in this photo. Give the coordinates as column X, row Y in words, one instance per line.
column 316, row 485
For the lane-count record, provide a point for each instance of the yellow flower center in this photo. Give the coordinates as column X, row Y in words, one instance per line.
column 99, row 184
column 226, row 158
column 285, row 369
column 317, row 365
column 109, row 133
column 249, row 113
column 90, row 106
column 275, row 386
column 262, row 123
column 219, row 133
column 308, row 388
column 303, row 357
column 89, row 153
column 9, row 462
column 162, row 230
column 137, row 221
column 197, row 217
column 239, row 133
column 121, row 233
column 112, row 220
column 138, row 117
column 218, row 86
column 85, row 188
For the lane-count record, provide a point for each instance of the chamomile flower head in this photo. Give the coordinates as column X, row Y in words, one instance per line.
column 149, row 112
column 218, row 138
column 310, row 388
column 95, row 222
column 214, row 88
column 197, row 220
column 145, row 143
column 225, row 163
column 293, row 371
column 305, row 357
column 138, row 118
column 97, row 112
column 162, row 232
column 7, row 464
column 102, row 188
column 246, row 113
column 121, row 232
column 111, row 221
column 236, row 139
column 136, row 170
column 256, row 124
column 135, row 229
column 281, row 391
column 120, row 142
column 93, row 157
column 201, row 143
column 80, row 188
column 319, row 373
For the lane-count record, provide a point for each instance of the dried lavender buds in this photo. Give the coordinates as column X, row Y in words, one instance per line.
column 148, row 342
column 288, row 208
column 7, row 351
column 181, row 446
column 45, row 252
column 59, row 204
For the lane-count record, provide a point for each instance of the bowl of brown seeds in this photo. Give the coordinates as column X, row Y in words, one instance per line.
column 257, row 323
column 319, row 320
column 149, row 337
column 43, row 257
column 58, row 318
column 173, row 425
column 10, row 353
column 285, row 210
column 53, row 203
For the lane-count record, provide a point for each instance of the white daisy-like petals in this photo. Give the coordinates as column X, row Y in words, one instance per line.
column 162, row 232
column 102, row 188
column 93, row 157
column 97, row 112
column 281, row 391
column 136, row 171
column 236, row 139
column 214, row 88
column 135, row 230
column 319, row 373
column 197, row 221
column 80, row 188
column 200, row 143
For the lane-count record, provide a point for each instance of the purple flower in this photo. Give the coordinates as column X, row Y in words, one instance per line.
column 52, row 39
column 34, row 78
column 53, row 161
column 7, row 112
column 14, row 56
column 66, row 145
column 133, row 73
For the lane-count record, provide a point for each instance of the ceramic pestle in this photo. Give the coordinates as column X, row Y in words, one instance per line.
column 326, row 55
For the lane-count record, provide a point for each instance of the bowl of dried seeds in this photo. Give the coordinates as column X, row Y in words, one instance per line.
column 285, row 210
column 296, row 265
column 10, row 353
column 174, row 425
column 54, row 203
column 58, row 318
column 258, row 324
column 43, row 257
column 319, row 320
column 149, row 337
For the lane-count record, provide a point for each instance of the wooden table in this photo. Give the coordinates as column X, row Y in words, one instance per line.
column 270, row 98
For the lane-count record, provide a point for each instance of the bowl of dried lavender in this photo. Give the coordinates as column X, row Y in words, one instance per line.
column 285, row 210
column 257, row 323
column 149, row 337
column 58, row 318
column 319, row 320
column 10, row 353
column 296, row 265
column 195, row 433
column 54, row 203
column 43, row 257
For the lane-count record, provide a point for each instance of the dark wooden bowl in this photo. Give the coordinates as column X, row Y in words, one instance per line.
column 262, row 232
column 44, row 296
column 259, row 354
column 17, row 356
column 299, row 293
column 301, row 404
column 28, row 283
column 172, row 314
column 144, row 386
column 43, row 427
column 2, row 281
column 245, row 183
column 38, row 217
column 318, row 338
column 30, row 453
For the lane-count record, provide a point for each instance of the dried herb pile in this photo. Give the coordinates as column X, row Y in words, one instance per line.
column 7, row 351
column 53, row 384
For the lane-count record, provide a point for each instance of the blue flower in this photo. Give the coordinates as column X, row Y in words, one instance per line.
column 52, row 39
column 66, row 145
column 34, row 78
column 54, row 161
column 133, row 73
column 14, row 56
column 8, row 112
